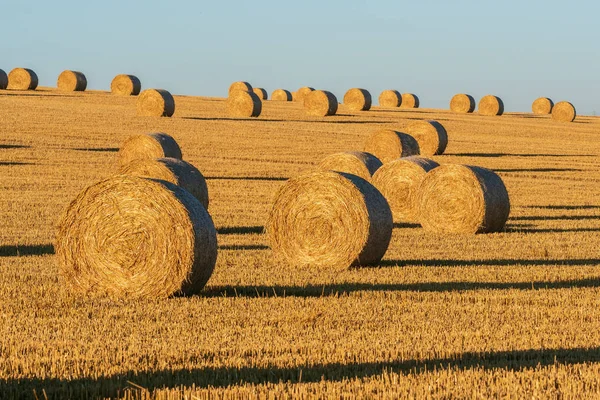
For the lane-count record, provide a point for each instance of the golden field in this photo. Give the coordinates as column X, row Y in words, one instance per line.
column 515, row 314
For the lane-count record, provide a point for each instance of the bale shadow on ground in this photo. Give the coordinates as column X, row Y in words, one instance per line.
column 26, row 250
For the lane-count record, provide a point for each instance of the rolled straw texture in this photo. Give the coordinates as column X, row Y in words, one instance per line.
column 240, row 85
column 390, row 98
column 542, row 106
column 564, row 111
column 243, row 104
column 22, row 79
column 148, row 146
column 430, row 135
column 320, row 103
column 71, row 81
column 301, row 93
column 462, row 103
column 409, row 100
column 126, row 85
column 491, row 105
column 352, row 162
column 388, row 145
column 281, row 95
column 261, row 93
column 155, row 103
column 357, row 99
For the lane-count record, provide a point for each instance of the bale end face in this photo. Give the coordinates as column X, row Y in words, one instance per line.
column 281, row 95
column 542, row 106
column 462, row 103
column 155, row 103
column 388, row 145
column 390, row 98
column 564, row 112
column 301, row 93
column 22, row 79
column 491, row 106
column 431, row 137
column 148, row 146
column 125, row 85
column 240, row 85
column 409, row 100
column 261, row 93
column 357, row 99
column 356, row 163
column 243, row 104
column 320, row 103
column 71, row 81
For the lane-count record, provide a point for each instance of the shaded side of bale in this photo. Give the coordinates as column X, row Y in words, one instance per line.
column 174, row 170
column 352, row 162
column 564, row 111
column 409, row 100
column 130, row 237
column 281, row 95
column 329, row 219
column 358, row 99
column 430, row 135
column 388, row 145
column 243, row 104
column 148, row 146
column 126, row 85
column 320, row 103
column 542, row 106
column 71, row 81
column 399, row 182
column 3, row 80
column 301, row 93
column 155, row 103
column 261, row 93
column 390, row 98
column 463, row 199
column 240, row 85
column 491, row 105
column 22, row 79
column 462, row 103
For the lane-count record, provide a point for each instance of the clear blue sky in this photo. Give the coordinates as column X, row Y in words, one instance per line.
column 518, row 50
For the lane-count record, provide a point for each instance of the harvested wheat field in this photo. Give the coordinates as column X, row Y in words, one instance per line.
column 512, row 314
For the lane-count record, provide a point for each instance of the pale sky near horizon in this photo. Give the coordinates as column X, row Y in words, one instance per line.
column 517, row 50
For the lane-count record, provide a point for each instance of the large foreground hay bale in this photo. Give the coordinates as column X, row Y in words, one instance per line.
column 261, row 93
column 388, row 145
column 329, row 219
column 491, row 105
column 390, row 98
column 71, row 81
column 174, row 170
column 564, row 111
column 430, row 135
column 301, row 93
column 243, row 104
column 320, row 103
column 22, row 79
column 3, row 80
column 148, row 146
column 126, row 85
column 281, row 95
column 241, row 85
column 155, row 103
column 357, row 99
column 409, row 100
column 542, row 106
column 463, row 199
column 130, row 237
column 399, row 182
column 356, row 163
column 462, row 103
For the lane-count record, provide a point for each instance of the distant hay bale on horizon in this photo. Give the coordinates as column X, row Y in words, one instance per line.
column 320, row 103
column 261, row 93
column 409, row 100
column 126, row 85
column 399, row 181
column 3, row 80
column 388, row 145
column 462, row 103
column 155, row 103
column 463, row 199
column 22, row 79
column 430, row 135
column 174, row 170
column 301, row 93
column 329, row 219
column 564, row 111
column 148, row 146
column 71, row 81
column 357, row 99
column 356, row 163
column 390, row 98
column 281, row 95
column 542, row 106
column 243, row 104
column 240, row 85
column 131, row 237
column 491, row 105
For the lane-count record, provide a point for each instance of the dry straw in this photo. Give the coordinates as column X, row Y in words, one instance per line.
column 542, row 106
column 329, row 219
column 243, row 104
column 155, row 103
column 281, row 95
column 430, row 135
column 357, row 99
column 22, row 79
column 462, row 103
column 148, row 146
column 241, row 85
column 564, row 111
column 71, row 81
column 463, row 199
column 352, row 162
column 320, row 103
column 409, row 100
column 172, row 170
column 491, row 105
column 261, row 93
column 301, row 93
column 388, row 145
column 399, row 183
column 3, row 80
column 130, row 237
column 126, row 85
column 390, row 98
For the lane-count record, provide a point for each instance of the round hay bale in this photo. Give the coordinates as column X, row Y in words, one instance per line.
column 22, row 79
column 241, row 85
column 71, row 81
column 130, row 237
column 463, row 199
column 352, row 162
column 462, row 103
column 388, row 145
column 542, row 106
column 281, row 95
column 3, row 80
column 430, row 135
column 358, row 99
column 174, row 170
column 261, row 93
column 564, row 111
column 148, row 146
column 491, row 105
column 409, row 100
column 243, row 104
column 320, row 103
column 329, row 219
column 155, row 103
column 399, row 181
column 125, row 85
column 301, row 93
column 390, row 98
